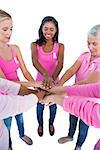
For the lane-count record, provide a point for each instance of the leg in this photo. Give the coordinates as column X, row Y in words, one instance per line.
column 20, row 124
column 83, row 130
column 8, row 122
column 73, row 124
column 72, row 128
column 53, row 109
column 40, row 108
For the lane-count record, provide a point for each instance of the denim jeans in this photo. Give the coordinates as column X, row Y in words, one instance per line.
column 83, row 130
column 40, row 108
column 20, row 123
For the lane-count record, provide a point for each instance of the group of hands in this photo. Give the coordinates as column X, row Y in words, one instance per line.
column 47, row 90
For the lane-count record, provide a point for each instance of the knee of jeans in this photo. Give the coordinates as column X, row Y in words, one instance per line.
column 83, row 133
column 53, row 107
column 19, row 118
column 40, row 106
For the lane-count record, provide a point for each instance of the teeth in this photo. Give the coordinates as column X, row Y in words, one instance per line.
column 48, row 35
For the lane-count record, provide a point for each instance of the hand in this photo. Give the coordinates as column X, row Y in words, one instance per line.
column 37, row 84
column 48, row 82
column 48, row 99
column 40, row 95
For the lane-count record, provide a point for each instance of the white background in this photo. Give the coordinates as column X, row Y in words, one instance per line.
column 75, row 18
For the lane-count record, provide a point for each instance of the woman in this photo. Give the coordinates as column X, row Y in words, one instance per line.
column 87, row 70
column 47, row 58
column 14, row 99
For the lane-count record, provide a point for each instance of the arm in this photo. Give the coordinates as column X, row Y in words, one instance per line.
column 18, row 98
column 13, row 105
column 24, row 70
column 35, row 61
column 84, row 107
column 47, row 79
column 87, row 90
column 92, row 78
column 70, row 72
column 60, row 62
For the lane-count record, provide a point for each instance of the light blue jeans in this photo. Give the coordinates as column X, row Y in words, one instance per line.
column 20, row 123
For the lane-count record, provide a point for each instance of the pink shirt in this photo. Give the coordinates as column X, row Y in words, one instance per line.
column 9, row 67
column 87, row 66
column 84, row 107
column 10, row 105
column 48, row 60
column 82, row 102
column 87, row 90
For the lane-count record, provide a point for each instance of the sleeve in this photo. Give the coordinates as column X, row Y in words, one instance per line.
column 81, row 57
column 97, row 69
column 84, row 108
column 88, row 90
column 11, row 105
column 9, row 86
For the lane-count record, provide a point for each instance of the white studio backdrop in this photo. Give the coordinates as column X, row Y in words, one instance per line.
column 75, row 18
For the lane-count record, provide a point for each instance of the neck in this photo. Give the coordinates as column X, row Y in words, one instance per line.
column 49, row 42
column 3, row 45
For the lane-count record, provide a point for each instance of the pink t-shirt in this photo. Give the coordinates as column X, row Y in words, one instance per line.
column 87, row 66
column 48, row 60
column 9, row 67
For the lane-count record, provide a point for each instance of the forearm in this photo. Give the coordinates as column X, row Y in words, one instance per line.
column 84, row 107
column 28, row 76
column 27, row 83
column 88, row 90
column 13, row 105
column 67, row 75
column 39, row 68
column 57, row 71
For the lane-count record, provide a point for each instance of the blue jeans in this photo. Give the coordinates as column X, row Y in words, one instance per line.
column 20, row 123
column 83, row 130
column 40, row 108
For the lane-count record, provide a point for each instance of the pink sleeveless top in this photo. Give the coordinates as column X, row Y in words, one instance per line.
column 48, row 60
column 9, row 67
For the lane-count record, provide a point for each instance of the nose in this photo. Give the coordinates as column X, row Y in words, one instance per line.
column 91, row 47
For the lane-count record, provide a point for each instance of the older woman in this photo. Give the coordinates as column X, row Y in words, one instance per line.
column 87, row 70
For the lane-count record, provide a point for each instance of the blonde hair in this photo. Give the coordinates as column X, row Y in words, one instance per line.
column 4, row 15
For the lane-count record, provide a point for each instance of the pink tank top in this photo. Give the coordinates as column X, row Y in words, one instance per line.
column 48, row 60
column 9, row 67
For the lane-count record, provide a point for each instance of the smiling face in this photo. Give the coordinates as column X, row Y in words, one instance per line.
column 94, row 44
column 49, row 30
column 5, row 30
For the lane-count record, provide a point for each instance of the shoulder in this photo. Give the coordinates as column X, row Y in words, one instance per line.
column 61, row 45
column 85, row 53
column 84, row 56
column 33, row 45
column 15, row 48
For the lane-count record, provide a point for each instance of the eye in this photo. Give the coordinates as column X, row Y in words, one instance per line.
column 5, row 29
column 51, row 29
column 11, row 29
column 94, row 43
column 88, row 43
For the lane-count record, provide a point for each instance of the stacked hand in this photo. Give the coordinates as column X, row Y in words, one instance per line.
column 48, row 82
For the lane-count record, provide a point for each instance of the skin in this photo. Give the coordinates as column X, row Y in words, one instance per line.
column 49, row 31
